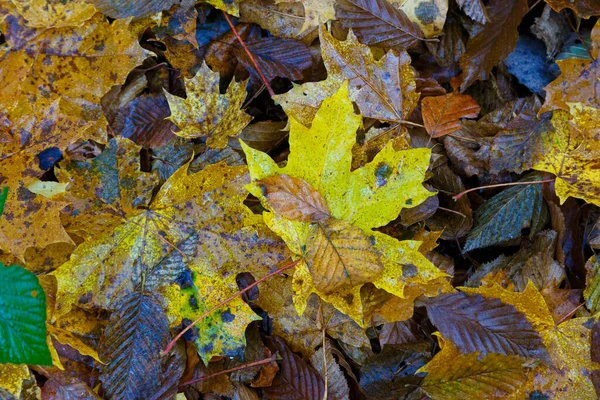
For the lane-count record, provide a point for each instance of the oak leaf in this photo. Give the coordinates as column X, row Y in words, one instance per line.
column 207, row 113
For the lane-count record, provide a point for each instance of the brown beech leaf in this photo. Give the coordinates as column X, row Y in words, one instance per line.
column 143, row 121
column 296, row 379
column 474, row 9
column 474, row 323
column 264, row 135
column 378, row 23
column 62, row 387
column 340, row 254
column 294, row 198
column 131, row 348
column 337, row 385
column 277, row 57
column 442, row 114
column 493, row 41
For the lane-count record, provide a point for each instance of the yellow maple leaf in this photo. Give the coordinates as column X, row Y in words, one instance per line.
column 365, row 198
column 207, row 113
column 572, row 153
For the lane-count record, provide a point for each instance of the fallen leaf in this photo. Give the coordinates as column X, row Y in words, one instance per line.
column 441, row 114
column 207, row 113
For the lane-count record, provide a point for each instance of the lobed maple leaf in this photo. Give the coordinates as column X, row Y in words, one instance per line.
column 357, row 202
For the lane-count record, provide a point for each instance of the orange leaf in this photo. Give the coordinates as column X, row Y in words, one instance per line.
column 441, row 114
column 294, row 198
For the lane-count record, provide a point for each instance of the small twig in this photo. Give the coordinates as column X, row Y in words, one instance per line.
column 252, row 364
column 405, row 122
column 533, row 6
column 452, row 211
column 580, row 38
column 227, row 300
column 462, row 138
column 569, row 315
column 239, row 38
column 458, row 196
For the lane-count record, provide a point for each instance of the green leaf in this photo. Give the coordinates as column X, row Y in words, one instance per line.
column 3, row 197
column 503, row 216
column 22, row 318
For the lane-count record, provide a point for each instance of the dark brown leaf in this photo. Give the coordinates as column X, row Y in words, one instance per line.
column 264, row 136
column 143, row 121
column 294, row 198
column 277, row 57
column 583, row 8
column 391, row 374
column 131, row 347
column 474, row 323
column 399, row 333
column 493, row 41
column 378, row 23
column 296, row 380
column 63, row 387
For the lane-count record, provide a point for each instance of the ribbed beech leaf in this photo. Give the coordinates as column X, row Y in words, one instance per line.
column 22, row 318
column 294, row 198
column 493, row 41
column 277, row 57
column 131, row 347
column 323, row 361
column 503, row 216
column 296, row 380
column 486, row 325
column 442, row 114
column 339, row 254
column 378, row 23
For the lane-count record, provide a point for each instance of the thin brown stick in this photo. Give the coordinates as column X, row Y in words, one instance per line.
column 569, row 315
column 239, row 38
column 227, row 300
column 580, row 38
column 452, row 211
column 458, row 196
column 252, row 364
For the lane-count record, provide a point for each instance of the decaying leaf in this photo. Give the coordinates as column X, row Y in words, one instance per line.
column 441, row 114
column 205, row 112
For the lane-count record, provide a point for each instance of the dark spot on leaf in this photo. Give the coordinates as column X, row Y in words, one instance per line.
column 409, row 202
column 227, row 316
column 537, row 395
column 426, row 12
column 349, row 298
column 49, row 157
column 193, row 301
column 34, row 293
column 382, row 173
column 409, row 270
column 207, row 348
column 184, row 280
column 85, row 298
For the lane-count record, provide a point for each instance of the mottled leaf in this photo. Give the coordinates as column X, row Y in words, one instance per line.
column 132, row 8
column 294, row 198
column 503, row 216
column 207, row 113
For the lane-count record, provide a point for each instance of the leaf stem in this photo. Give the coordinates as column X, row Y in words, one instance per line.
column 570, row 314
column 227, row 300
column 458, row 196
column 226, row 371
column 239, row 38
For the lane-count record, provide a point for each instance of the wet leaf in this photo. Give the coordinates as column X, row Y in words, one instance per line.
column 379, row 23
column 22, row 318
column 485, row 325
column 442, row 114
column 207, row 113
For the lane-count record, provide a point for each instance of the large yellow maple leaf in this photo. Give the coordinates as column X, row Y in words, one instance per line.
column 339, row 251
